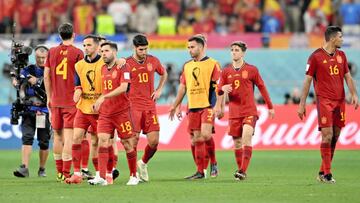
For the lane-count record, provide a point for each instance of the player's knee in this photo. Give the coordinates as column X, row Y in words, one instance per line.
column 44, row 145
column 128, row 144
column 154, row 143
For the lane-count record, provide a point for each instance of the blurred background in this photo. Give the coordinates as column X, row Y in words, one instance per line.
column 281, row 34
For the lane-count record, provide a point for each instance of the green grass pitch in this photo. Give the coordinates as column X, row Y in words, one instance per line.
column 273, row 176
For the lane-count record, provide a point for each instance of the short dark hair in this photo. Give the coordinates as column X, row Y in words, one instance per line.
column 66, row 31
column 94, row 37
column 331, row 31
column 140, row 40
column 101, row 37
column 112, row 45
column 198, row 38
column 240, row 44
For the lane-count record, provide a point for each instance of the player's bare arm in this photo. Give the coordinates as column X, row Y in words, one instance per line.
column 47, row 84
column 119, row 90
column 305, row 91
column 77, row 94
column 179, row 97
column 157, row 93
column 219, row 106
column 352, row 89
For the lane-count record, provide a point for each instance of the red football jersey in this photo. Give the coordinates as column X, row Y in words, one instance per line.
column 61, row 61
column 241, row 98
column 142, row 82
column 112, row 79
column 328, row 73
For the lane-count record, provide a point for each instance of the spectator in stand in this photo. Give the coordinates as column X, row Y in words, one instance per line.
column 7, row 8
column 185, row 28
column 270, row 24
column 61, row 12
column 226, row 7
column 315, row 21
column 84, row 15
column 292, row 11
column 24, row 15
column 44, row 16
column 293, row 98
column 236, row 25
column 104, row 23
column 121, row 12
column 146, row 17
column 250, row 12
column 350, row 17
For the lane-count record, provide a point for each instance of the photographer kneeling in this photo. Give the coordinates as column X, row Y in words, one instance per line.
column 35, row 115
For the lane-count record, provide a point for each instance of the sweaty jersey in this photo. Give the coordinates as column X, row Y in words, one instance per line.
column 112, row 79
column 241, row 98
column 200, row 78
column 61, row 61
column 328, row 72
column 142, row 81
column 88, row 78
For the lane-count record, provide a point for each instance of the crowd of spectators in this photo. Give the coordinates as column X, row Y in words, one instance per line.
column 183, row 17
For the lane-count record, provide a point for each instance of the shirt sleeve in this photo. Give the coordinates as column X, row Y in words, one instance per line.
column 159, row 68
column 311, row 66
column 262, row 88
column 125, row 74
column 346, row 65
column 216, row 72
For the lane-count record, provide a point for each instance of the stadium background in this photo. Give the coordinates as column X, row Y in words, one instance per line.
column 281, row 34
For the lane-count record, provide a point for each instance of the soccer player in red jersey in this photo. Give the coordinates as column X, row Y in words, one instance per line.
column 59, row 75
column 238, row 80
column 114, row 114
column 328, row 67
column 198, row 82
column 143, row 96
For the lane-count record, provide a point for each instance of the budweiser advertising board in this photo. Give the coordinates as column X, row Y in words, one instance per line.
column 286, row 131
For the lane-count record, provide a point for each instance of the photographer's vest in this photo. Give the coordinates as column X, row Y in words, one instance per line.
column 200, row 89
column 90, row 79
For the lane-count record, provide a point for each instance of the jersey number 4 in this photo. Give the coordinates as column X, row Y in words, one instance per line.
column 61, row 69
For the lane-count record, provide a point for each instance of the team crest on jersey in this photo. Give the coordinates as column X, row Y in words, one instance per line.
column 114, row 74
column 244, row 74
column 149, row 67
column 323, row 120
column 339, row 59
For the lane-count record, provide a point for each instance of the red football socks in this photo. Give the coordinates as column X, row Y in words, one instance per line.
column 247, row 152
column 131, row 158
column 149, row 152
column 76, row 156
column 110, row 162
column 238, row 157
column 210, row 148
column 96, row 163
column 103, row 160
column 325, row 150
column 66, row 168
column 59, row 165
column 200, row 156
column 85, row 151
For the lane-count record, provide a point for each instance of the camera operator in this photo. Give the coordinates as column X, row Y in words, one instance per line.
column 35, row 115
